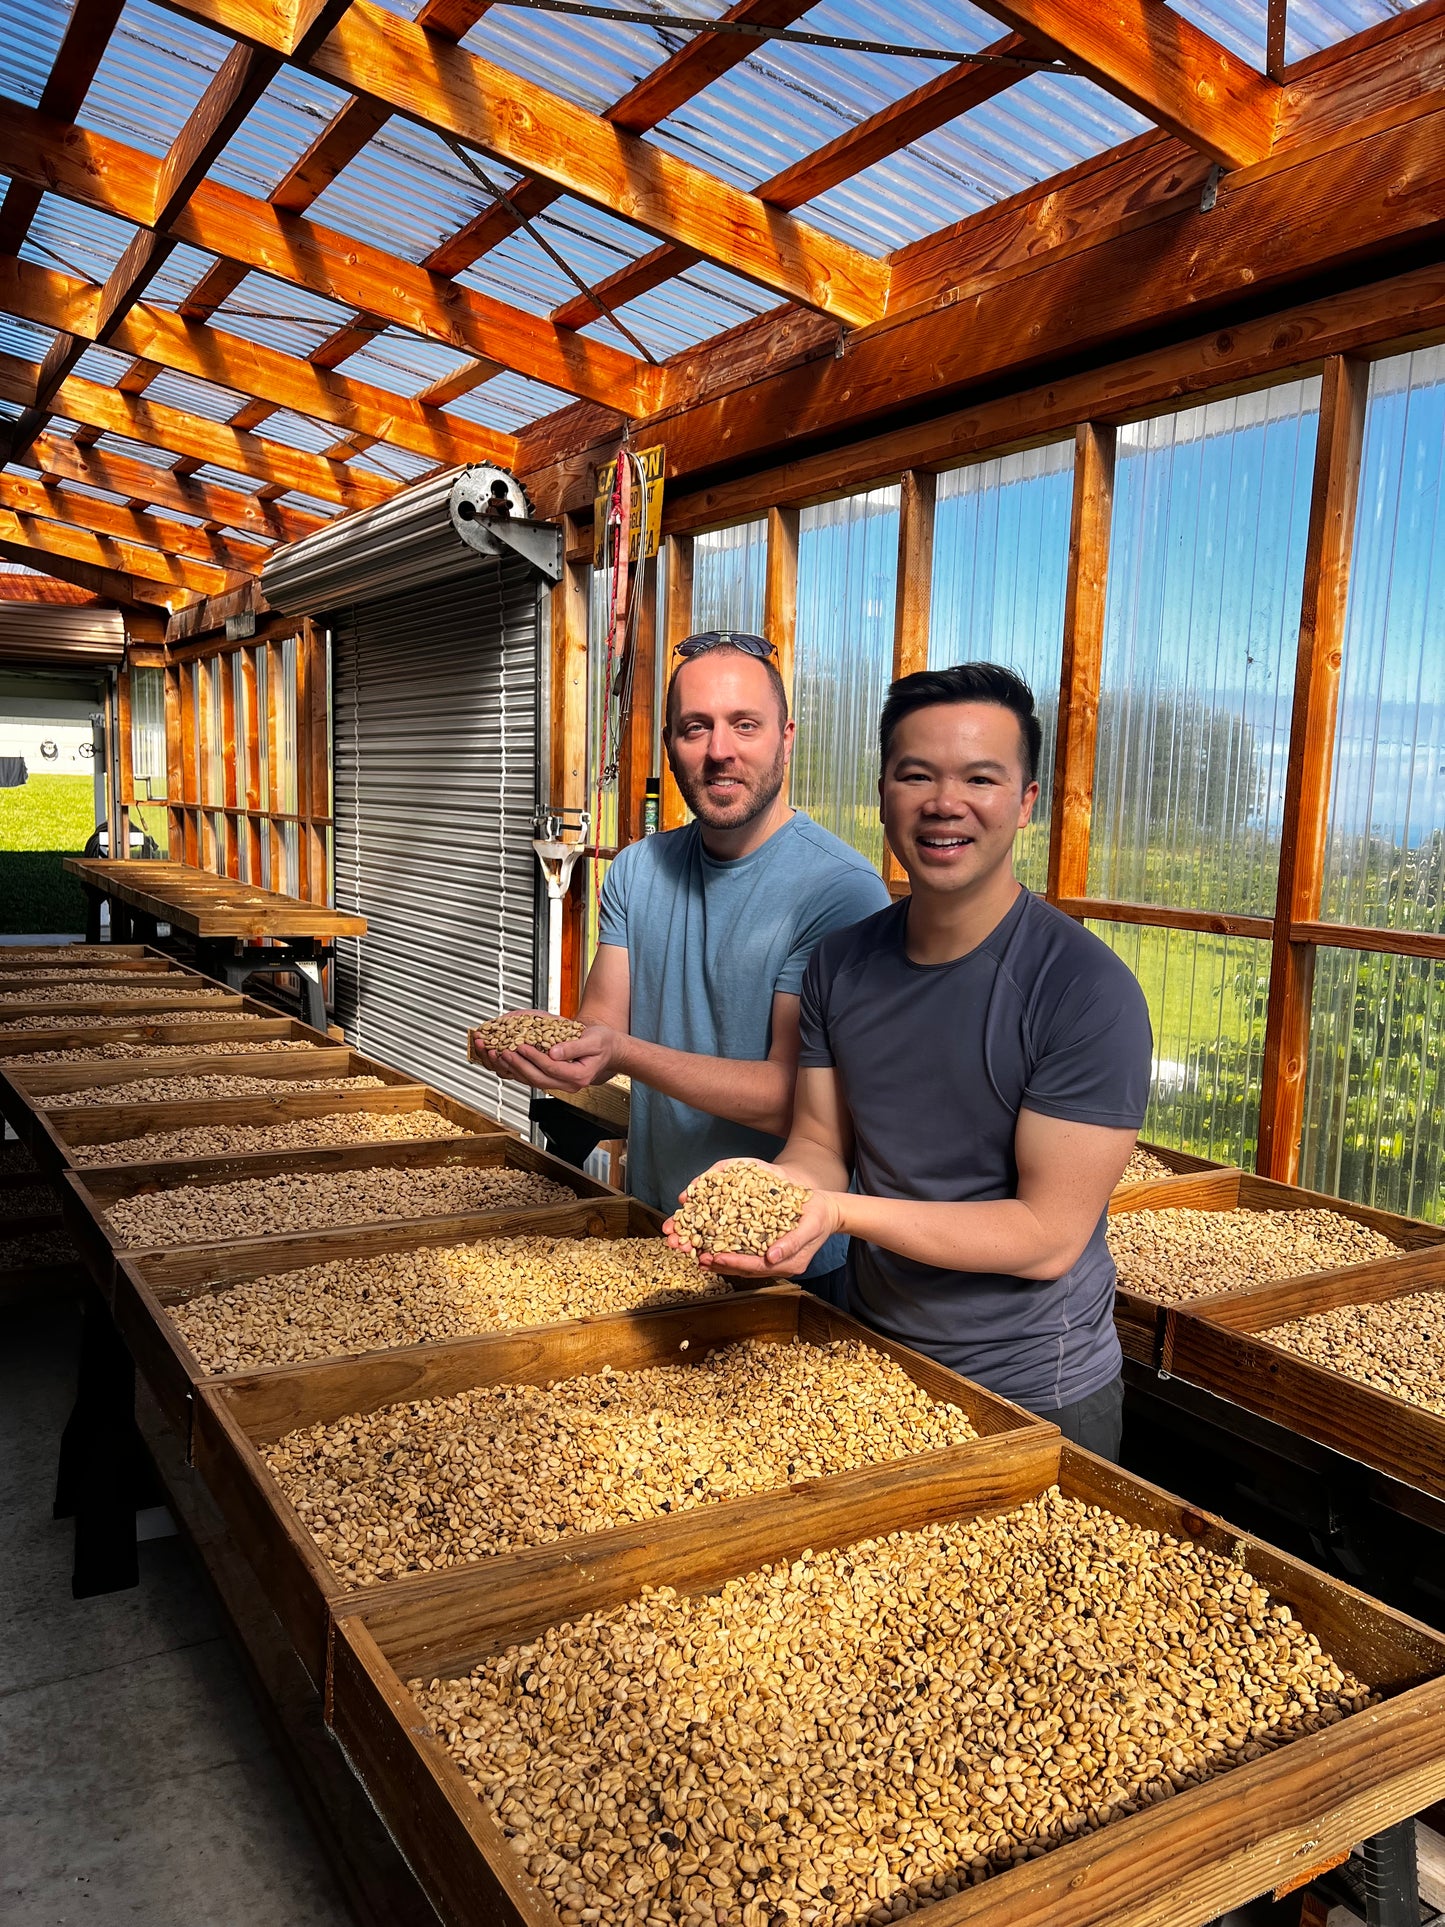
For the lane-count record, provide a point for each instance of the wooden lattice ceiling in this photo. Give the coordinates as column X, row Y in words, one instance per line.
column 1250, row 183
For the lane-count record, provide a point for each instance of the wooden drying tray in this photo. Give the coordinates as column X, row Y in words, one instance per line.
column 1218, row 1344
column 102, row 1124
column 160, row 990
column 235, row 1418
column 232, row 1028
column 134, row 959
column 1183, row 1164
column 89, row 1194
column 1141, row 1321
column 207, row 906
column 1178, row 1864
column 25, row 1088
column 146, row 1286
column 26, row 956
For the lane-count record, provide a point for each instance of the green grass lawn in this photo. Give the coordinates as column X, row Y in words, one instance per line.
column 42, row 822
column 48, row 813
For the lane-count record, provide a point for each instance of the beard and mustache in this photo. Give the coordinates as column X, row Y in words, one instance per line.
column 756, row 791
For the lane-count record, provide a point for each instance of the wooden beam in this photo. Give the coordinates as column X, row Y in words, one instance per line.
column 193, row 348
column 1160, row 63
column 208, row 441
column 1429, row 944
column 1277, row 226
column 87, row 35
column 113, row 519
column 159, row 487
column 639, row 729
column 780, row 591
column 927, row 108
column 109, row 552
column 90, row 168
column 698, row 63
column 113, row 584
column 145, row 573
column 1296, row 340
column 912, row 599
column 374, row 52
column 1328, row 547
column 338, row 144
column 1083, row 661
column 1156, row 916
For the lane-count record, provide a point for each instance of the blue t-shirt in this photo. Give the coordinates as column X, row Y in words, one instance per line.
column 709, row 941
column 936, row 1062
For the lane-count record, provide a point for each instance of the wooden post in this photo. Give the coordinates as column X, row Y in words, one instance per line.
column 1083, row 661
column 190, row 757
column 635, row 763
column 780, row 591
column 251, row 740
column 275, row 793
column 318, row 779
column 175, row 765
column 913, row 598
column 125, row 761
column 672, row 813
column 567, row 744
column 228, row 763
column 1311, row 757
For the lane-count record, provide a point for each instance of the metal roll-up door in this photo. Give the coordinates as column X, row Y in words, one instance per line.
column 435, row 725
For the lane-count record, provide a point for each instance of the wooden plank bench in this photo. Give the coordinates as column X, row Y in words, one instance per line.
column 238, row 928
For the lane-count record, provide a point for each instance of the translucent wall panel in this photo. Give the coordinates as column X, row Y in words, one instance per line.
column 210, row 714
column 1000, row 566
column 1205, row 574
column 286, row 791
column 1385, row 858
column 1375, row 1095
column 843, row 661
column 148, row 731
column 729, row 576
column 1207, row 998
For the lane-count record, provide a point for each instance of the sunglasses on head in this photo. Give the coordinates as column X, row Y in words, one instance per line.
column 706, row 639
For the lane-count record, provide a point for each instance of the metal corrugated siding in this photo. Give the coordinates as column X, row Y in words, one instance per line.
column 436, row 780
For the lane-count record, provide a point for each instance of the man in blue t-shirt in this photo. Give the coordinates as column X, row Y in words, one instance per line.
column 705, row 934
column 978, row 1064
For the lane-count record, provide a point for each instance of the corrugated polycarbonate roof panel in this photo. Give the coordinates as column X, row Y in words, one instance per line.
column 109, row 444
column 29, row 44
column 406, row 191
column 298, row 431
column 77, row 240
column 508, row 401
column 293, row 320
column 155, row 61
column 101, row 365
column 24, row 339
column 402, row 363
column 294, row 109
column 202, row 398
column 1310, row 25
column 592, row 62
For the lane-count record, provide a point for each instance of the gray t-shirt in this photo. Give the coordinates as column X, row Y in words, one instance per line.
column 936, row 1062
column 708, row 943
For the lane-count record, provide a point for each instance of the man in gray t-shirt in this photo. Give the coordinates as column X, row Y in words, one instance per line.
column 978, row 1065
column 705, row 934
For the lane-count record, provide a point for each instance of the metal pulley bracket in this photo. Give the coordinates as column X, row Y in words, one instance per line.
column 491, row 513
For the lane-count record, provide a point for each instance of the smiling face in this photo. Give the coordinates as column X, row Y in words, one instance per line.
column 955, row 794
column 726, row 738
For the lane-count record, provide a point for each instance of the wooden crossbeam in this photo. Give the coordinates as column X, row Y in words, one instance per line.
column 1161, row 64
column 87, row 35
column 374, row 52
column 928, row 107
column 106, row 552
column 148, row 482
column 51, row 502
column 1045, row 292
column 163, row 340
column 114, row 584
column 91, row 168
column 206, row 441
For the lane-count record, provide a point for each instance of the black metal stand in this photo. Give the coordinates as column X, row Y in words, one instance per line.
column 104, row 1475
column 232, row 962
column 571, row 1135
column 1392, row 1878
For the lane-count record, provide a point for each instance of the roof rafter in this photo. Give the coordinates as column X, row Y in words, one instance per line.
column 928, row 107
column 163, row 340
column 148, row 482
column 131, row 591
column 373, row 52
column 208, row 441
column 87, row 35
column 1163, row 65
column 50, row 502
column 99, row 172
column 106, row 552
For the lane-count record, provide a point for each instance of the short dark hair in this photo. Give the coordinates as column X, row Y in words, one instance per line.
column 726, row 649
column 966, row 682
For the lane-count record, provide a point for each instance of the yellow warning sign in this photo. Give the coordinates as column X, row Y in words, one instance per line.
column 646, row 529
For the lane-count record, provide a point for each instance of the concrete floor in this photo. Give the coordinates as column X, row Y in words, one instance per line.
column 136, row 1781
